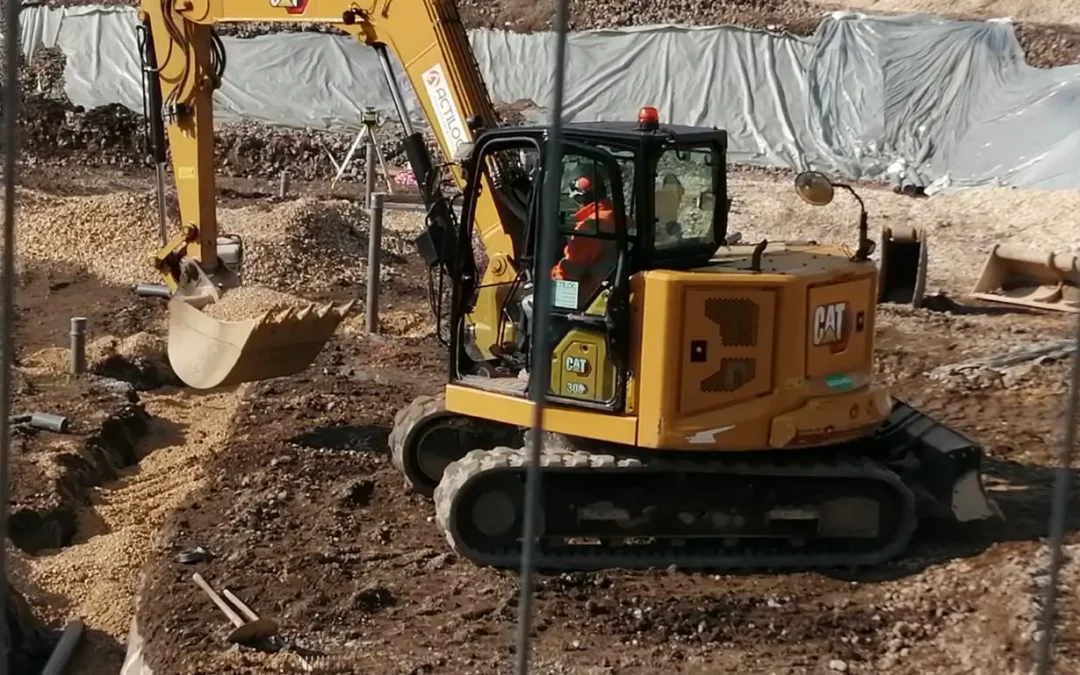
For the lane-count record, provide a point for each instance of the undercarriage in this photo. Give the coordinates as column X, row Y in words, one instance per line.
column 604, row 505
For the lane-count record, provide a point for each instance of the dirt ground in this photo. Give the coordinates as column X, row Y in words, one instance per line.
column 289, row 486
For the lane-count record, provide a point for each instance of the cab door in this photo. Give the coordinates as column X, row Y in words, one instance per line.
column 588, row 330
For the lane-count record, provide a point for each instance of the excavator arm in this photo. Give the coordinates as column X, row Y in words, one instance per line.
column 187, row 61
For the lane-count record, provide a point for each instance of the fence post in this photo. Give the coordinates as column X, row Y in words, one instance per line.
column 375, row 222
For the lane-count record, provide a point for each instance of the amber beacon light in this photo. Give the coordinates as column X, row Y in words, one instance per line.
column 648, row 118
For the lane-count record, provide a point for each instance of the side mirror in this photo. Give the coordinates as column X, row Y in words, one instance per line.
column 706, row 200
column 814, row 188
column 463, row 152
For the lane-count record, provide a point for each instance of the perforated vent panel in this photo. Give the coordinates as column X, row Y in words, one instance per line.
column 737, row 318
column 727, row 346
column 733, row 374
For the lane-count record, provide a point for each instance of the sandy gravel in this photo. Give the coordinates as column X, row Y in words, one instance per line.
column 962, row 227
column 248, row 302
column 96, row 575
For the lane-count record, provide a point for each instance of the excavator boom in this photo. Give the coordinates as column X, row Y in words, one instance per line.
column 186, row 63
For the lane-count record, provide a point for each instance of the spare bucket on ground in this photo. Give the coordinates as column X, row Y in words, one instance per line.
column 1041, row 280
column 902, row 275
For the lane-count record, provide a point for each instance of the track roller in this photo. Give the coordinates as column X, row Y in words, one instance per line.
column 426, row 438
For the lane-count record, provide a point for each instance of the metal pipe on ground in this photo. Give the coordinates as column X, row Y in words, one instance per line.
column 64, row 648
column 283, row 186
column 42, row 420
column 375, row 223
column 153, row 291
column 78, row 344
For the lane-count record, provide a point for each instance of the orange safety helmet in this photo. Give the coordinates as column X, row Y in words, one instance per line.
column 584, row 190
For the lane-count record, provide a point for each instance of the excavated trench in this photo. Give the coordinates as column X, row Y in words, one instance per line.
column 88, row 504
column 103, row 453
column 52, row 521
column 141, row 373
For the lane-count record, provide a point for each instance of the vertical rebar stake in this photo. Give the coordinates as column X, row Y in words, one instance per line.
column 78, row 345
column 163, row 217
column 283, row 186
column 540, row 362
column 1059, row 515
column 374, row 257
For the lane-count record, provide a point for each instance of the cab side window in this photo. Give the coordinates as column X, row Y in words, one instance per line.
column 682, row 176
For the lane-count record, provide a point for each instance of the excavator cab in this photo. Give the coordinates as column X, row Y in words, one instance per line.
column 608, row 230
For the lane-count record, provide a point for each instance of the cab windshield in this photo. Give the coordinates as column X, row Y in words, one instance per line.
column 685, row 204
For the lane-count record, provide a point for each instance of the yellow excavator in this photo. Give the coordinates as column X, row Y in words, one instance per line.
column 711, row 404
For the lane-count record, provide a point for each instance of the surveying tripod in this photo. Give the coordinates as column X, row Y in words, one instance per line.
column 369, row 119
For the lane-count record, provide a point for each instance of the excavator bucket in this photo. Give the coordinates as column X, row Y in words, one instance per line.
column 1019, row 276
column 902, row 276
column 206, row 352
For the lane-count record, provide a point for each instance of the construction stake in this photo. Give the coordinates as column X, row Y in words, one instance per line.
column 78, row 345
column 375, row 223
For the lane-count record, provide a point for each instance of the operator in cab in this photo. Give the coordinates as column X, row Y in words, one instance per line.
column 588, row 259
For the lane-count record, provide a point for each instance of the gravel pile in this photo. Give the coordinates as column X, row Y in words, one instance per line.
column 302, row 246
column 248, row 302
column 140, row 359
column 995, row 634
column 305, row 250
column 111, row 235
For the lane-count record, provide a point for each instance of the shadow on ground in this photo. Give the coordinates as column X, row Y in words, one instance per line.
column 367, row 437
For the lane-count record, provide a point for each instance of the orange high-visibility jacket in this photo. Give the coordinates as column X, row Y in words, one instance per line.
column 588, row 259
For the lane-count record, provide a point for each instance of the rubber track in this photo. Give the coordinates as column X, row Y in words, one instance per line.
column 405, row 420
column 461, row 474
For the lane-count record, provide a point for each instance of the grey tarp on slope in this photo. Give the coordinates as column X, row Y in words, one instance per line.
column 950, row 100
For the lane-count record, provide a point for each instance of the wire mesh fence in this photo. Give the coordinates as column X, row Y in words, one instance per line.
column 541, row 351
column 11, row 100
column 540, row 374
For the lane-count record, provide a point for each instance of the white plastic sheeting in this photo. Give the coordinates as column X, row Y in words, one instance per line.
column 943, row 100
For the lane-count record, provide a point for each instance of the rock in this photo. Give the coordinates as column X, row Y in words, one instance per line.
column 838, row 665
